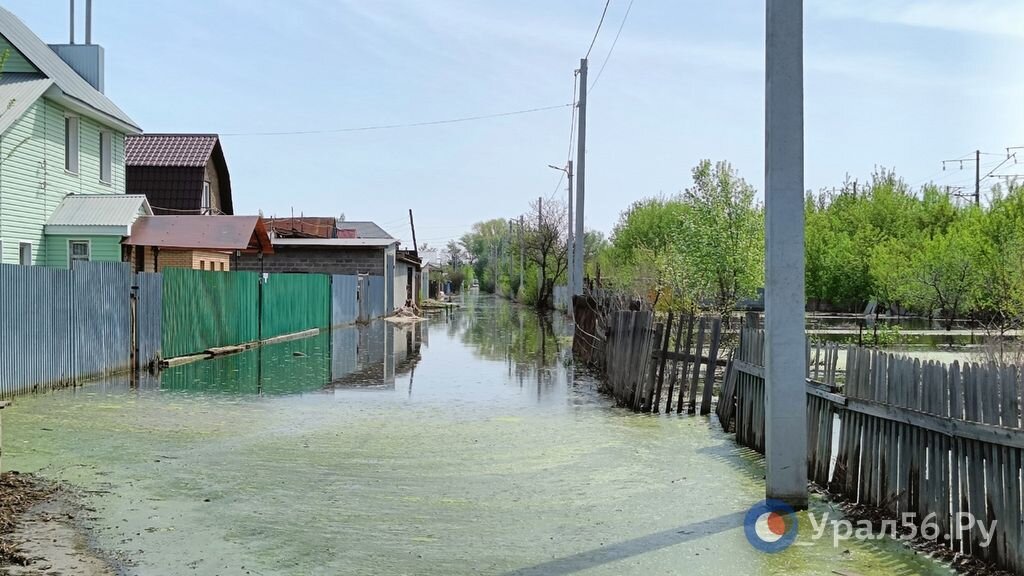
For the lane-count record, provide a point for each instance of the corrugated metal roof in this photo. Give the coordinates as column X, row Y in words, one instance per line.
column 179, row 150
column 364, row 229
column 226, row 233
column 304, row 226
column 20, row 91
column 99, row 210
column 46, row 60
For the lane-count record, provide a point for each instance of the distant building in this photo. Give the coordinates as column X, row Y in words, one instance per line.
column 180, row 173
column 59, row 135
column 312, row 245
column 197, row 242
column 408, row 278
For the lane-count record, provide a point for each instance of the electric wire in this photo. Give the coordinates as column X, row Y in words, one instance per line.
column 610, row 50
column 402, row 125
column 599, row 23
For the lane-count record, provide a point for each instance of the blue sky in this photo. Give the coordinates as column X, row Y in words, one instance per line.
column 896, row 83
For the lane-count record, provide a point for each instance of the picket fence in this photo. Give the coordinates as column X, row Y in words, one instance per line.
column 935, row 440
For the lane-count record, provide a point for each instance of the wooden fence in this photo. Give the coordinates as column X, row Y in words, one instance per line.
column 647, row 363
column 915, row 437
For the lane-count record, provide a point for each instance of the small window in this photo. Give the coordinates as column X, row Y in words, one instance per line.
column 71, row 144
column 78, row 250
column 202, row 264
column 106, row 159
column 207, row 200
column 25, row 253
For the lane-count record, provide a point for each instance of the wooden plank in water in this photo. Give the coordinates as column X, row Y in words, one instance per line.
column 709, row 376
column 684, row 373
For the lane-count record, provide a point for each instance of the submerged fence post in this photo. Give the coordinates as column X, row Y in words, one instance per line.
column 785, row 393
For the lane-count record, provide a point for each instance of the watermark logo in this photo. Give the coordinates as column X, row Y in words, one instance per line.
column 770, row 526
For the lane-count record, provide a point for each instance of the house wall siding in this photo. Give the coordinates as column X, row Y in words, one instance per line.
column 350, row 261
column 211, row 177
column 101, row 249
column 401, row 284
column 15, row 61
column 33, row 180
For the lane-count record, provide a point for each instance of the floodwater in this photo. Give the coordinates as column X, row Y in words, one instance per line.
column 461, row 445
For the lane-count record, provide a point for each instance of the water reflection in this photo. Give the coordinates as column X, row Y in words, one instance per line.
column 382, row 354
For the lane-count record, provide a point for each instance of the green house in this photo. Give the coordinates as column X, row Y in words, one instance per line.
column 59, row 135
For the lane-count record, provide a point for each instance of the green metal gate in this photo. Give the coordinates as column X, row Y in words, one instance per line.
column 295, row 302
column 202, row 310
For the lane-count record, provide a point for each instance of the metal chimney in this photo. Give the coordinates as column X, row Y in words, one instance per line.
column 85, row 59
column 88, row 21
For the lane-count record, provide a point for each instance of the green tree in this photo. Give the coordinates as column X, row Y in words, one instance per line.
column 722, row 236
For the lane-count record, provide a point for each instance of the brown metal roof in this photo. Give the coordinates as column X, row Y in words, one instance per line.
column 303, row 227
column 180, row 150
column 228, row 233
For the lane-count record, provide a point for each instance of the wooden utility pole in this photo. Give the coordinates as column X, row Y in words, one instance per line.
column 412, row 224
column 785, row 336
column 581, row 177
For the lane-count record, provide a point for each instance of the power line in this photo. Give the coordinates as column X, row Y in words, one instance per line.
column 612, row 49
column 599, row 23
column 572, row 132
column 406, row 125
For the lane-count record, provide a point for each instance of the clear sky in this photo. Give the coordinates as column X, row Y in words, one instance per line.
column 896, row 83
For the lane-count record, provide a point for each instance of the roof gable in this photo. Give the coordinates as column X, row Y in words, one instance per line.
column 177, row 150
column 68, row 82
column 18, row 92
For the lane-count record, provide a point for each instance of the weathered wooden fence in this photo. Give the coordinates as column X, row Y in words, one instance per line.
column 649, row 364
column 915, row 437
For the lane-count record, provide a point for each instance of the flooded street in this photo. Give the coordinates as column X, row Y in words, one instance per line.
column 461, row 445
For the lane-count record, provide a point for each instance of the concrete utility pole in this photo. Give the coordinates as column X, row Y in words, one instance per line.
column 977, row 177
column 522, row 254
column 581, row 177
column 977, row 174
column 785, row 338
column 569, row 245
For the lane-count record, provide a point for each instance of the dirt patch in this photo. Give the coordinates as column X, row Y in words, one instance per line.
column 39, row 533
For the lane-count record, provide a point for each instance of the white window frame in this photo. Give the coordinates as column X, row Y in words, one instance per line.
column 72, row 141
column 106, row 157
column 21, row 248
column 88, row 250
column 207, row 200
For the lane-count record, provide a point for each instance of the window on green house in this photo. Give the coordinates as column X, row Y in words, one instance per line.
column 78, row 250
column 71, row 144
column 106, row 159
column 25, row 253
